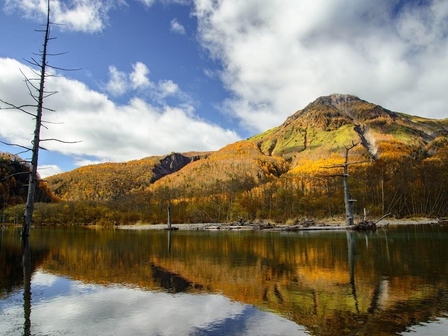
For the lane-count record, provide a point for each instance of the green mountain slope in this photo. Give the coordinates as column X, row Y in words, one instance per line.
column 329, row 123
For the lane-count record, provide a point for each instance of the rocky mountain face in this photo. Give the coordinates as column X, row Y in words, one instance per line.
column 172, row 163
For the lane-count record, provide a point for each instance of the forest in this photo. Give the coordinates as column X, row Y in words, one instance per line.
column 289, row 173
column 402, row 186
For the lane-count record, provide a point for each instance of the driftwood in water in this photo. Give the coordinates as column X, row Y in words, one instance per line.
column 298, row 226
column 368, row 224
column 364, row 225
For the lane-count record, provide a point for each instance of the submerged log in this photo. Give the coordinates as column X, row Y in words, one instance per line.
column 364, row 225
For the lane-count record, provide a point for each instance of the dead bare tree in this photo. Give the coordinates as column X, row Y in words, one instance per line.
column 38, row 94
column 348, row 201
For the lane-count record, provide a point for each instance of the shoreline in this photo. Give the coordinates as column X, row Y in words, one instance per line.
column 307, row 225
column 273, row 227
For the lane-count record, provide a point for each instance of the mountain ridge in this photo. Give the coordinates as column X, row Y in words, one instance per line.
column 318, row 132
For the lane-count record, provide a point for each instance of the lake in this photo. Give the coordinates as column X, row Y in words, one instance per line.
column 78, row 281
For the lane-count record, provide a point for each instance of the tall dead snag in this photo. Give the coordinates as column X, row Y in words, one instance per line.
column 29, row 208
column 169, row 216
column 38, row 94
column 349, row 208
column 36, row 139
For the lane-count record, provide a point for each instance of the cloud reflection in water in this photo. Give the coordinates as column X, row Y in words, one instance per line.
column 65, row 307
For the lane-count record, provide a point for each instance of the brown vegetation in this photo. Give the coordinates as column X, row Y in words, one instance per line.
column 278, row 175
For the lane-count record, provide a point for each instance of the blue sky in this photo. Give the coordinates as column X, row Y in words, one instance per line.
column 183, row 75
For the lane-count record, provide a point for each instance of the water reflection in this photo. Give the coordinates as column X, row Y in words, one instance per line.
column 206, row 283
column 68, row 307
column 351, row 247
column 26, row 264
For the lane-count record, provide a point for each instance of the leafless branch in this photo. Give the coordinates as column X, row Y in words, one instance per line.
column 51, row 122
column 62, row 69
column 14, row 107
column 34, row 62
column 62, row 141
column 18, row 173
column 16, row 145
column 55, row 54
column 352, row 145
column 49, row 94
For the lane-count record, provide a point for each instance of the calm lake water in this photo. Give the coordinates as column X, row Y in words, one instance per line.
column 75, row 281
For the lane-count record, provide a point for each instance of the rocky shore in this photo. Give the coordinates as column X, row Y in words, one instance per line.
column 305, row 225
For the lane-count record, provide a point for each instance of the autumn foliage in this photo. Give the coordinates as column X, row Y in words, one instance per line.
column 285, row 174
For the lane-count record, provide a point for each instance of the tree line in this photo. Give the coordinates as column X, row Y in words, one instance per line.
column 403, row 186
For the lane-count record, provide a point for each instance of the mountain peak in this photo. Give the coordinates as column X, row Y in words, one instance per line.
column 335, row 100
column 329, row 123
column 326, row 109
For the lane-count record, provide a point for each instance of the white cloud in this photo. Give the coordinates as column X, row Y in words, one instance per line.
column 147, row 3
column 139, row 76
column 86, row 309
column 138, row 82
column 278, row 56
column 48, row 170
column 117, row 84
column 87, row 16
column 177, row 28
column 168, row 88
column 109, row 132
column 423, row 26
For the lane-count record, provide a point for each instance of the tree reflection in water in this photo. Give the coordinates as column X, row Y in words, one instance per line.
column 26, row 264
column 329, row 283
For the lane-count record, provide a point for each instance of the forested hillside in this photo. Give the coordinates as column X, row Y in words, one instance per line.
column 14, row 176
column 109, row 181
column 284, row 174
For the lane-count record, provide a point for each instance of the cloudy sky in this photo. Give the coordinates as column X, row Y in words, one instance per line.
column 158, row 76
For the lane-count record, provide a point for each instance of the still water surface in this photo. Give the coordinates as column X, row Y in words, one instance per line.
column 76, row 281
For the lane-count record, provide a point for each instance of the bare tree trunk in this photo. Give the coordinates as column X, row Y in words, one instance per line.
column 348, row 201
column 349, row 211
column 29, row 208
column 169, row 216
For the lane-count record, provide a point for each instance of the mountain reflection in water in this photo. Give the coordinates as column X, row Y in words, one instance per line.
column 224, row 283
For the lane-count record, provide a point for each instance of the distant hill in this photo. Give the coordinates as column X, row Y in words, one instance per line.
column 281, row 172
column 109, row 181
